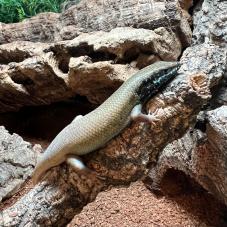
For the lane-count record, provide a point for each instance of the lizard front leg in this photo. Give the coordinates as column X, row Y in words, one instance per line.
column 137, row 115
column 77, row 118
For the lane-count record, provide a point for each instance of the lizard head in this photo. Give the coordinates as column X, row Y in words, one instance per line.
column 155, row 77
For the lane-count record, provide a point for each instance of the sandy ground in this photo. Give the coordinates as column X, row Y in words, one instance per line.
column 136, row 206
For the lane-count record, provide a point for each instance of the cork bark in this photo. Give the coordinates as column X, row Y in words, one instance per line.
column 141, row 149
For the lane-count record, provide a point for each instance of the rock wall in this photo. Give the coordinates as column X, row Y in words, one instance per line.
column 102, row 54
column 201, row 152
column 99, row 15
column 92, row 65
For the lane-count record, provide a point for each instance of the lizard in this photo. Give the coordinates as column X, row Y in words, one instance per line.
column 92, row 131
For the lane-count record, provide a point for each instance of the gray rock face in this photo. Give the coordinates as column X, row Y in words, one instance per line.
column 92, row 65
column 201, row 152
column 201, row 156
column 207, row 58
column 109, row 58
column 210, row 26
column 99, row 15
column 17, row 160
column 210, row 22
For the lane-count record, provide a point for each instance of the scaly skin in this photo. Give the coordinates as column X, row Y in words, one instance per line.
column 90, row 132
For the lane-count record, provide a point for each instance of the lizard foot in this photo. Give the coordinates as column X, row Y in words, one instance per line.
column 137, row 115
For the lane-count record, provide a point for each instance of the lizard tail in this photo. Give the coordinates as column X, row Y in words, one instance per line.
column 43, row 166
column 38, row 173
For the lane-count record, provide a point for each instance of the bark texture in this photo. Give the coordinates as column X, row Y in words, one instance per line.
column 92, row 65
column 17, row 161
column 124, row 159
column 140, row 150
column 99, row 15
column 201, row 153
column 210, row 22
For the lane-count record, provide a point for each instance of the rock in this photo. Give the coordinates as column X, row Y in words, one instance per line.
column 99, row 15
column 200, row 155
column 210, row 27
column 92, row 65
column 207, row 58
column 126, row 158
column 36, row 29
column 17, row 160
column 210, row 22
column 201, row 152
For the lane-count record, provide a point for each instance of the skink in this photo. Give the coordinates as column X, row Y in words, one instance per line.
column 88, row 133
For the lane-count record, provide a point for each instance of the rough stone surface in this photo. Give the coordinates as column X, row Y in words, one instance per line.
column 17, row 160
column 38, row 28
column 125, row 159
column 200, row 155
column 92, row 65
column 141, row 148
column 207, row 58
column 210, row 22
column 99, row 15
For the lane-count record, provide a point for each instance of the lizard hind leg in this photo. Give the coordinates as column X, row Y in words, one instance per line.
column 75, row 162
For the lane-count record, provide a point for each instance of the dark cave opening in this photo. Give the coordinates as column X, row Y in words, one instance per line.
column 13, row 56
column 43, row 123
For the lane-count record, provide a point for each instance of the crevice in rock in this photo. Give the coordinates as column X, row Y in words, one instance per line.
column 201, row 125
column 131, row 54
column 16, row 56
column 181, row 54
column 19, row 78
column 83, row 49
column 219, row 95
column 63, row 63
column 175, row 182
column 196, row 3
column 97, row 56
column 61, row 56
column 43, row 123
